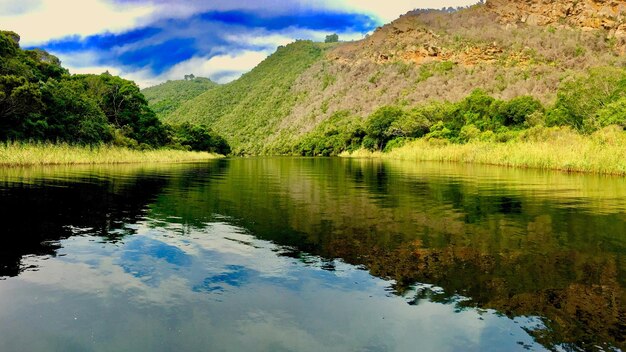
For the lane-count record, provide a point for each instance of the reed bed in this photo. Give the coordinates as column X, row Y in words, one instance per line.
column 604, row 152
column 30, row 154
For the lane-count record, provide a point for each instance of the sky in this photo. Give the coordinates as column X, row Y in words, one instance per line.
column 151, row 41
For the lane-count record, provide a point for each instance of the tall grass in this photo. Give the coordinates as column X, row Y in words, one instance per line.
column 25, row 154
column 562, row 149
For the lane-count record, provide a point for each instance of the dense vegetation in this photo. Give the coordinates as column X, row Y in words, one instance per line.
column 166, row 97
column 250, row 110
column 584, row 104
column 41, row 101
column 423, row 61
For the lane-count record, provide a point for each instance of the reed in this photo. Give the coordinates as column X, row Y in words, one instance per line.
column 604, row 152
column 26, row 154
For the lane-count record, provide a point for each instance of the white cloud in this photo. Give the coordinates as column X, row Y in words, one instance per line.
column 390, row 10
column 221, row 68
column 235, row 64
column 59, row 18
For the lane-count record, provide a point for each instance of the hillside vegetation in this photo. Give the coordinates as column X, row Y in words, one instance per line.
column 486, row 72
column 41, row 102
column 167, row 97
column 250, row 110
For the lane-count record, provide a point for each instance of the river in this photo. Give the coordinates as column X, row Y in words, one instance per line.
column 310, row 254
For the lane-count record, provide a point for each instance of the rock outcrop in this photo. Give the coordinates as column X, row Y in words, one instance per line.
column 586, row 14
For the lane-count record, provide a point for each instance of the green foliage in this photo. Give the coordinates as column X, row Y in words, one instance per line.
column 199, row 138
column 166, row 97
column 516, row 111
column 413, row 124
column 379, row 124
column 612, row 114
column 39, row 100
column 468, row 133
column 436, row 68
column 580, row 99
column 71, row 115
column 249, row 110
column 332, row 38
column 20, row 105
column 477, row 117
column 338, row 133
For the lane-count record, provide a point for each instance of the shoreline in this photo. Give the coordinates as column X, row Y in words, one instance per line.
column 49, row 154
column 601, row 156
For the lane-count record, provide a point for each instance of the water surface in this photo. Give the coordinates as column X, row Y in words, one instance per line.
column 310, row 255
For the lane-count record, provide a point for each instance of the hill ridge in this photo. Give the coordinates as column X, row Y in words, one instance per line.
column 419, row 58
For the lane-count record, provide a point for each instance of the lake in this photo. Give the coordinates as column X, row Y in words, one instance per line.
column 310, row 254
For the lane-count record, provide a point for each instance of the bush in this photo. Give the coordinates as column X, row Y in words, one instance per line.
column 468, row 133
column 396, row 143
column 379, row 123
column 612, row 114
column 369, row 143
column 200, row 138
column 515, row 112
column 440, row 131
column 579, row 100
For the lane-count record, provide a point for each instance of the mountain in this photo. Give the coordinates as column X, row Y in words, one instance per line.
column 167, row 97
column 506, row 48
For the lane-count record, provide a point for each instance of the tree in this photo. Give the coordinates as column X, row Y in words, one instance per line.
column 514, row 112
column 332, row 38
column 378, row 124
column 72, row 115
column 125, row 108
column 200, row 138
column 578, row 100
column 20, row 102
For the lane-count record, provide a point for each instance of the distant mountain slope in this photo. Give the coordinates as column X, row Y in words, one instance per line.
column 167, row 97
column 507, row 48
column 251, row 109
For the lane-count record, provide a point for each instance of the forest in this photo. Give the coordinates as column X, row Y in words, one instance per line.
column 40, row 101
column 583, row 106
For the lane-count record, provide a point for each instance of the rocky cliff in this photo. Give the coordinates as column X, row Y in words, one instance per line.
column 609, row 15
column 506, row 48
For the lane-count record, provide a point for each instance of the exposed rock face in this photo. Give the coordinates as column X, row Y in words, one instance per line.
column 586, row 14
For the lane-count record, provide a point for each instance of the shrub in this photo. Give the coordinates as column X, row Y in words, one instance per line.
column 468, row 133
column 379, row 123
column 369, row 143
column 516, row 111
column 579, row 100
column 612, row 114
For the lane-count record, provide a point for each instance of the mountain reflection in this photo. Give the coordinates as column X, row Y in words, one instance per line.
column 525, row 244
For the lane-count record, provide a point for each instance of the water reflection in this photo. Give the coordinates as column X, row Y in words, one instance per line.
column 269, row 254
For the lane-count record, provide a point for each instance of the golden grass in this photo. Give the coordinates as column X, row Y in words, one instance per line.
column 604, row 152
column 28, row 154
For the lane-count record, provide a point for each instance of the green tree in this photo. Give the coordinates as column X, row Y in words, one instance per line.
column 578, row 100
column 379, row 123
column 514, row 112
column 72, row 115
column 20, row 104
column 612, row 114
column 200, row 138
column 332, row 38
column 125, row 107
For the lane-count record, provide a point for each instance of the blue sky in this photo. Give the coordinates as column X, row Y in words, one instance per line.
column 151, row 41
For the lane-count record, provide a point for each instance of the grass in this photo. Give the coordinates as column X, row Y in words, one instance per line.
column 603, row 152
column 31, row 154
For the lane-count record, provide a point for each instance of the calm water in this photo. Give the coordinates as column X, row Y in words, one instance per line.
column 285, row 254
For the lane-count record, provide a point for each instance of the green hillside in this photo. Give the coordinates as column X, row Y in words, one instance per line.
column 167, row 97
column 249, row 110
column 476, row 73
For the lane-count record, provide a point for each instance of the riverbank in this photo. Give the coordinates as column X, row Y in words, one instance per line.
column 31, row 154
column 603, row 152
